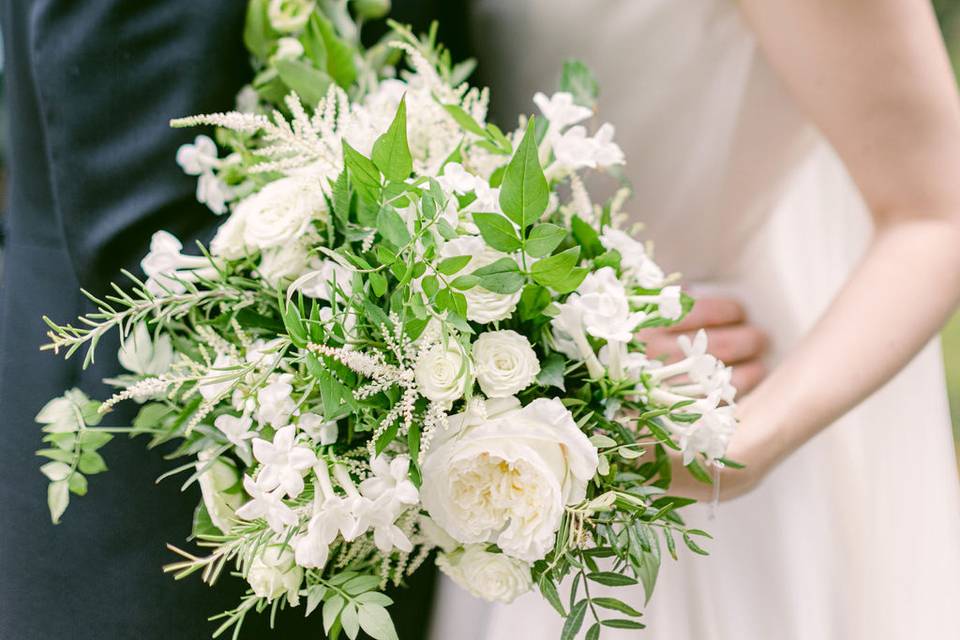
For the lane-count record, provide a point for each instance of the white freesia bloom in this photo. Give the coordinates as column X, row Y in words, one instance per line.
column 141, row 354
column 390, row 478
column 289, row 16
column 273, row 574
column 505, row 362
column 167, row 268
column 442, row 372
column 506, row 478
column 275, row 404
column 213, row 192
column 281, row 212
column 284, row 462
column 634, row 261
column 482, row 306
column 606, row 308
column 494, row 577
column 236, row 429
column 217, row 478
column 199, row 157
column 560, row 109
column 268, row 505
column 321, row 431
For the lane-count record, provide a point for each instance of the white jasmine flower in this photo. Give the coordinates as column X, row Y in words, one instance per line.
column 634, row 261
column 606, row 152
column 505, row 361
column 574, row 150
column 570, row 337
column 323, row 432
column 668, row 301
column 482, row 306
column 198, row 158
column 167, row 268
column 273, row 574
column 267, row 505
column 275, row 404
column 288, row 261
column 606, row 308
column 264, row 353
column 289, row 16
column 140, row 354
column 380, row 515
column 284, row 463
column 458, row 180
column 281, row 212
column 215, row 483
column 494, row 577
column 507, row 479
column 235, row 429
column 390, row 478
column 709, row 435
column 560, row 109
column 213, row 192
column 442, row 372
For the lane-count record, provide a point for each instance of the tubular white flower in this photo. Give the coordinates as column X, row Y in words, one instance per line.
column 267, row 505
column 167, row 268
column 569, row 333
column 275, row 404
column 668, row 302
column 505, row 362
column 634, row 261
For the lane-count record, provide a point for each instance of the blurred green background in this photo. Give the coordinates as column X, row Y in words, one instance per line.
column 949, row 13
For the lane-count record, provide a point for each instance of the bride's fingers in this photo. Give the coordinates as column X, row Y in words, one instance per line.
column 747, row 375
column 738, row 343
column 711, row 312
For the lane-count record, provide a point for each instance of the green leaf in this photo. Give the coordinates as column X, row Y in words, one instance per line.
column 502, row 276
column 376, row 622
column 543, row 239
column 77, row 484
column 524, row 193
column 574, row 621
column 91, row 440
column 258, row 34
column 551, row 371
column 390, row 152
column 611, row 579
column 616, row 605
column 577, row 80
column 533, row 301
column 314, row 598
column 449, row 266
column 586, row 236
column 620, row 623
column 350, row 620
column 497, row 231
column 549, row 591
column 91, row 463
column 464, row 119
column 57, row 454
column 593, row 633
column 463, row 283
column 362, row 170
column 392, row 227
column 306, row 81
column 553, row 271
column 58, row 497
column 338, row 55
column 360, row 584
column 331, row 611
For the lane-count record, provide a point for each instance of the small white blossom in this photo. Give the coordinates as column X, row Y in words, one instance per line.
column 323, row 432
column 267, row 505
column 560, row 109
column 199, row 157
column 275, row 404
column 235, row 429
column 390, row 479
column 634, row 261
column 141, row 354
column 167, row 268
column 284, row 462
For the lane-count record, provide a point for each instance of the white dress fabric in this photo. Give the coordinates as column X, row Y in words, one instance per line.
column 857, row 535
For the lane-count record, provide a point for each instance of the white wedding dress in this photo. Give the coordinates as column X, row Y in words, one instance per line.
column 857, row 535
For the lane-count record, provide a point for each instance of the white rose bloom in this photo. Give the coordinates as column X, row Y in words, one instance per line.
column 442, row 372
column 228, row 242
column 218, row 478
column 287, row 261
column 280, row 212
column 494, row 577
column 140, row 354
column 505, row 477
column 273, row 573
column 482, row 306
column 505, row 361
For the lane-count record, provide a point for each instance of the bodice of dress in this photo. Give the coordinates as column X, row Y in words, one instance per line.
column 709, row 134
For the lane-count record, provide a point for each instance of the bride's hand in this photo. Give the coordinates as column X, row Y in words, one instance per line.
column 733, row 339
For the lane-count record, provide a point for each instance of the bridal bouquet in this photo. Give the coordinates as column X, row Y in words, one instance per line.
column 413, row 336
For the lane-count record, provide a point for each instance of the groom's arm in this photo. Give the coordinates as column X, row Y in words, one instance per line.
column 110, row 74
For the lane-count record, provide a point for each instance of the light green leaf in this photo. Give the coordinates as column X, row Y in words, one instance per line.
column 497, row 231
column 524, row 193
column 77, row 484
column 392, row 227
column 56, row 471
column 462, row 118
column 449, row 266
column 551, row 371
column 577, row 80
column 331, row 611
column 390, row 152
column 543, row 239
column 361, row 584
column 314, row 598
column 362, row 170
column 375, row 597
column 337, row 53
column 58, row 497
column 463, row 283
column 57, row 454
column 349, row 620
column 91, row 440
column 553, row 271
column 303, row 79
column 91, row 463
column 376, row 622
column 258, row 34
column 502, row 276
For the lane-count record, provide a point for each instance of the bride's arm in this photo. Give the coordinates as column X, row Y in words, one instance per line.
column 875, row 78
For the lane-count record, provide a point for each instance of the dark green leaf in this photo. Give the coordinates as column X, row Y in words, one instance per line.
column 587, row 237
column 611, row 579
column 549, row 591
column 616, row 605
column 622, row 623
column 390, row 152
column 574, row 621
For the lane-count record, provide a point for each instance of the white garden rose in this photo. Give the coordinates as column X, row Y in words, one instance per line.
column 505, row 362
column 280, row 212
column 217, row 478
column 442, row 372
column 273, row 573
column 228, row 242
column 503, row 473
column 482, row 306
column 494, row 577
column 288, row 261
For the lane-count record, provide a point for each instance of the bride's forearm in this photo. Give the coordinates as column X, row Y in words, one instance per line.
column 893, row 304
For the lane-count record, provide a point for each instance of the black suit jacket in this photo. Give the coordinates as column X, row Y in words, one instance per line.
column 91, row 85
